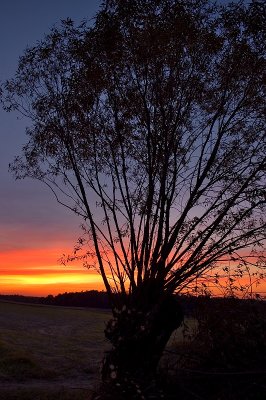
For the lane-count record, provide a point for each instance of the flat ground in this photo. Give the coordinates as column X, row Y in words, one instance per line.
column 55, row 353
column 49, row 352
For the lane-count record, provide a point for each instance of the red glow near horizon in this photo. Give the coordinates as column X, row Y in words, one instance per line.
column 37, row 272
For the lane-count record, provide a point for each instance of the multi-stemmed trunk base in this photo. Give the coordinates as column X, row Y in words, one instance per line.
column 139, row 336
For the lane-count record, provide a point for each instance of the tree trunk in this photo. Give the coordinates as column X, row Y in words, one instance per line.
column 139, row 336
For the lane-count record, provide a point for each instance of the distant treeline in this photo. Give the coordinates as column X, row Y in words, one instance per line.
column 92, row 298
column 96, row 299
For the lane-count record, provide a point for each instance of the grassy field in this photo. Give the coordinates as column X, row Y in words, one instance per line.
column 49, row 352
column 55, row 353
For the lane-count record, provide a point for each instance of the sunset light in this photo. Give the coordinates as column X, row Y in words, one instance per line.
column 133, row 199
column 48, row 284
column 36, row 272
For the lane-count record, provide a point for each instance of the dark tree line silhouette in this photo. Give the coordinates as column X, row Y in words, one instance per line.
column 92, row 298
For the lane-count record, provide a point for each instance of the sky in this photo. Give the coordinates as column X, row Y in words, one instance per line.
column 35, row 231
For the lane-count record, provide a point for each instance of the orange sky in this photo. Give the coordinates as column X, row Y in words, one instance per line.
column 37, row 272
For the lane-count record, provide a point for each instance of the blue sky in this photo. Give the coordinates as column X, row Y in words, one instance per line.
column 27, row 204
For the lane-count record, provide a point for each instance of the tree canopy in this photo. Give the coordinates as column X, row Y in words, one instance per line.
column 150, row 125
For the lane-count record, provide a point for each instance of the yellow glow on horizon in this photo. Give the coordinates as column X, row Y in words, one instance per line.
column 42, row 285
column 37, row 272
column 51, row 279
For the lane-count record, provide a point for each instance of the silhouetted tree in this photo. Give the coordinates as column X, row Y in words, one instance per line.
column 150, row 126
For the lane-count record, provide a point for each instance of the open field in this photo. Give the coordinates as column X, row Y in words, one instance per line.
column 55, row 353
column 48, row 352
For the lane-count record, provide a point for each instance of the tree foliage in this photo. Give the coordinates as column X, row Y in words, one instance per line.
column 150, row 126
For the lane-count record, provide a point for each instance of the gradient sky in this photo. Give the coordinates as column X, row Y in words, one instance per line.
column 34, row 230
